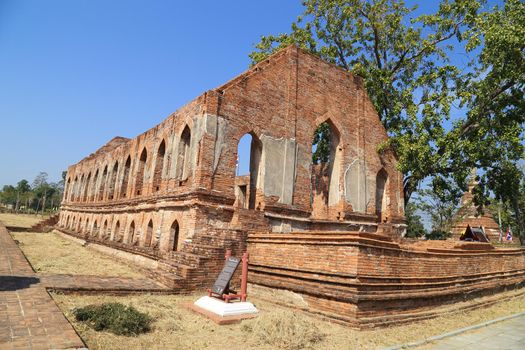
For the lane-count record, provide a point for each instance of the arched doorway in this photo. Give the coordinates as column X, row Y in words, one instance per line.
column 105, row 232
column 174, row 235
column 249, row 150
column 326, row 166
column 118, row 235
column 94, row 231
column 131, row 234
column 149, row 234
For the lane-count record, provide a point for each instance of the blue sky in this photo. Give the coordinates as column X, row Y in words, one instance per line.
column 74, row 74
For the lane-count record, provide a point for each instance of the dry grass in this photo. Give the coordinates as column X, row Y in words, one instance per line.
column 50, row 253
column 177, row 328
column 20, row 220
column 275, row 328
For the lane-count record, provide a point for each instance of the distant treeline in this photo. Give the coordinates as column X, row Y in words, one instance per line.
column 39, row 196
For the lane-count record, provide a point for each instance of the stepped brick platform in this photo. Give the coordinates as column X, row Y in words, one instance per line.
column 169, row 199
column 45, row 225
column 368, row 280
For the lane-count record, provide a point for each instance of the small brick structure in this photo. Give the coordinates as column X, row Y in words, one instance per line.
column 170, row 200
column 467, row 215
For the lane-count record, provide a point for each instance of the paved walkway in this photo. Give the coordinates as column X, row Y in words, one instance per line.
column 29, row 318
column 505, row 335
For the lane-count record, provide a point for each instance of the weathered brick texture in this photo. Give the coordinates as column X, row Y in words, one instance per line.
column 171, row 195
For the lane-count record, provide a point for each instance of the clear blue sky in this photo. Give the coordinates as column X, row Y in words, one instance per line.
column 74, row 74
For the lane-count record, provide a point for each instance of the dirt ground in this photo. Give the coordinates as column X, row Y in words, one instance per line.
column 175, row 327
column 20, row 220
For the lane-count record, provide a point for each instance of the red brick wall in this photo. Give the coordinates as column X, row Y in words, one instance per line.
column 366, row 280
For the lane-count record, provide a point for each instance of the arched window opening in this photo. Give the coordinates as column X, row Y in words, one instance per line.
column 78, row 195
column 80, row 227
column 132, row 234
column 174, row 235
column 118, row 234
column 105, row 231
column 149, row 234
column 86, row 228
column 86, row 188
column 113, row 181
column 326, row 166
column 381, row 194
column 125, row 180
column 67, row 222
column 140, row 173
column 159, row 166
column 183, row 158
column 94, row 231
column 74, row 223
column 249, row 152
column 102, row 186
column 74, row 190
column 93, row 190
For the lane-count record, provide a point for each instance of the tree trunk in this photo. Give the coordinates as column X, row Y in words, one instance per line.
column 519, row 220
column 43, row 204
column 17, row 205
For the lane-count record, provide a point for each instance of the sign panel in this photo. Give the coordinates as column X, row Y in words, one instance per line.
column 225, row 276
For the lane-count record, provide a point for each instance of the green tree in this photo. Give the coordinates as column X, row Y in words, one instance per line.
column 415, row 227
column 8, row 195
column 321, row 143
column 405, row 65
column 22, row 189
column 440, row 206
column 495, row 95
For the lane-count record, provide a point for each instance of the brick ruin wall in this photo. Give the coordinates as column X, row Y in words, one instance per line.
column 170, row 196
column 367, row 280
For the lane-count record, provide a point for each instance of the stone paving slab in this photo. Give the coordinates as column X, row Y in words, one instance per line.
column 29, row 318
column 504, row 335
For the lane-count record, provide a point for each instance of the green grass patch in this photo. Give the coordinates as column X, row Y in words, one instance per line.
column 115, row 318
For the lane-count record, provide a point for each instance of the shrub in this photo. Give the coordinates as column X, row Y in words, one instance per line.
column 115, row 318
column 437, row 235
column 285, row 330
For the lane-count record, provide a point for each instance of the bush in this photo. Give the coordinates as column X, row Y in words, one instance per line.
column 438, row 235
column 115, row 318
column 284, row 330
